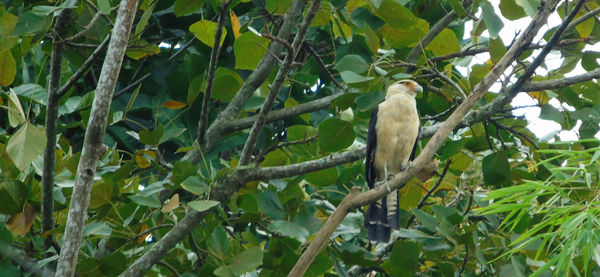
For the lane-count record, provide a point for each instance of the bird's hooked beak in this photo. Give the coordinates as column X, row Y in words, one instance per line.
column 416, row 88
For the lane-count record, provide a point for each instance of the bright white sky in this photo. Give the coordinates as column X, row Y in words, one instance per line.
column 541, row 128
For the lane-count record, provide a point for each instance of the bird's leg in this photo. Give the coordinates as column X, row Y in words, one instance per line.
column 385, row 179
column 387, row 184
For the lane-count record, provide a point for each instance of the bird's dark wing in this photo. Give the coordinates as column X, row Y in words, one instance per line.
column 371, row 146
column 414, row 150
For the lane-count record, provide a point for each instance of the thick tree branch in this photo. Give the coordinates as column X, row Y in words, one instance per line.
column 60, row 30
column 94, row 135
column 356, row 201
column 215, row 132
column 212, row 67
column 285, row 68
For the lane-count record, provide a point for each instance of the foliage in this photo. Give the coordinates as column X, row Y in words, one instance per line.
column 536, row 205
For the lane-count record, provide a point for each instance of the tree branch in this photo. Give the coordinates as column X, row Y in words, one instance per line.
column 311, row 106
column 83, row 68
column 285, row 68
column 415, row 53
column 212, row 67
column 355, row 201
column 60, row 30
column 94, row 135
column 215, row 132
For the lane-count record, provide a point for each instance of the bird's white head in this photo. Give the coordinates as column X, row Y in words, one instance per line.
column 404, row 86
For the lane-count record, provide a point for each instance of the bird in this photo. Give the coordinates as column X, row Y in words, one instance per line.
column 391, row 145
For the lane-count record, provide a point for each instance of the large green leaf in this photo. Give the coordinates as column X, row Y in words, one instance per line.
column 185, row 7
column 444, row 43
column 226, row 84
column 492, row 21
column 270, row 205
column 243, row 262
column 8, row 68
column 249, row 50
column 335, row 135
column 496, row 169
column 404, row 259
column 289, row 229
column 354, row 63
column 205, row 30
column 25, row 145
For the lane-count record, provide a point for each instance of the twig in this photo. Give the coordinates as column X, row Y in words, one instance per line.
column 430, row 192
column 212, row 67
column 170, row 267
column 448, row 81
column 147, row 75
column 215, row 132
column 518, row 133
column 286, row 66
column 322, row 65
column 83, row 68
column 150, row 230
column 86, row 28
column 260, row 157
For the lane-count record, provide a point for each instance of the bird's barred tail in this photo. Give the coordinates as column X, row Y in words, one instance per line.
column 381, row 217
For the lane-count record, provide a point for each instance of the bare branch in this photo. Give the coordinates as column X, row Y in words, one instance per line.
column 60, row 30
column 94, row 135
column 285, row 68
column 86, row 28
column 311, row 106
column 212, row 67
column 83, row 68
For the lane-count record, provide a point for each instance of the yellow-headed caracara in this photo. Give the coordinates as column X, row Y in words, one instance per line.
column 391, row 142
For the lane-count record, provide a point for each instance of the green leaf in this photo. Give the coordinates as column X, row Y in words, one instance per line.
column 194, row 89
column 584, row 28
column 335, row 134
column 203, row 205
column 149, row 200
column 16, row 115
column 104, row 6
column 444, row 43
column 289, row 229
column 457, row 7
column 102, row 192
column 185, row 7
column 492, row 21
column 243, row 262
column 195, row 185
column 205, row 30
column 353, row 63
column 270, row 205
column 249, row 50
column 530, row 6
column 510, row 10
column 218, row 244
column 497, row 49
column 143, row 21
column 152, row 137
column 323, row 177
column 226, row 84
column 549, row 112
column 25, row 145
column 351, row 77
column 320, row 265
column 496, row 169
column 8, row 68
column 404, row 259
column 589, row 60
column 182, row 170
column 278, row 6
column 426, row 219
column 97, row 228
column 28, row 23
